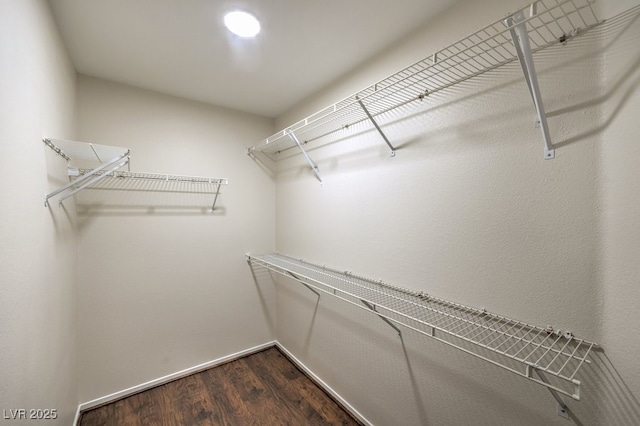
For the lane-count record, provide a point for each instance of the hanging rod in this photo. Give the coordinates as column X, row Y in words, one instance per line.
column 543, row 23
column 512, row 345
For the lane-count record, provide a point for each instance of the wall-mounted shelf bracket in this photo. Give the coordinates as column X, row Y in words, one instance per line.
column 295, row 277
column 313, row 165
column 375, row 123
column 518, row 29
column 372, row 307
column 97, row 175
column 562, row 410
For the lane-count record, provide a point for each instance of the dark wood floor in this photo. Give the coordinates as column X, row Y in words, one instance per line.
column 261, row 389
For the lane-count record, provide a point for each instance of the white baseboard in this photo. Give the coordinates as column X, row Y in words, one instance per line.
column 323, row 385
column 201, row 367
column 169, row 378
column 77, row 417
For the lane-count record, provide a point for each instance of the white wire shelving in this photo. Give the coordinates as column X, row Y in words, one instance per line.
column 541, row 24
column 548, row 357
column 107, row 174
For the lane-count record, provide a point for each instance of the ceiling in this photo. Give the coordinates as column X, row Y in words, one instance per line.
column 181, row 48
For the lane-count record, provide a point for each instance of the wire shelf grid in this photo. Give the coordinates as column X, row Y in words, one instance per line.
column 108, row 176
column 84, row 151
column 120, row 178
column 548, row 22
column 198, row 188
column 513, row 345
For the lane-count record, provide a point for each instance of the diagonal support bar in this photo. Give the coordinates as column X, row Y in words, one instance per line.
column 84, row 177
column 215, row 198
column 97, row 177
column 375, row 123
column 373, row 309
column 520, row 37
column 313, row 165
column 563, row 410
column 295, row 277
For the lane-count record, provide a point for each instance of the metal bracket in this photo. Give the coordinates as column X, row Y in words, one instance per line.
column 562, row 408
column 520, row 37
column 375, row 123
column 313, row 165
column 295, row 277
column 292, row 275
column 215, row 198
column 96, row 177
column 373, row 309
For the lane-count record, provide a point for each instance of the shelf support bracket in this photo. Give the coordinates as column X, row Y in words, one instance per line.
column 520, row 37
column 563, row 410
column 97, row 177
column 389, row 323
column 86, row 176
column 375, row 123
column 295, row 277
column 215, row 198
column 313, row 165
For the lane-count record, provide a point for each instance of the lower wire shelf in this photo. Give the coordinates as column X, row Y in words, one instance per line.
column 513, row 345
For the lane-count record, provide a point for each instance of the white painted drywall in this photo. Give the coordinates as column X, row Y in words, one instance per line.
column 166, row 287
column 621, row 213
column 469, row 211
column 37, row 244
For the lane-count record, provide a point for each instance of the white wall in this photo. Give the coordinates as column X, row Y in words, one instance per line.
column 164, row 287
column 469, row 211
column 37, row 244
column 621, row 209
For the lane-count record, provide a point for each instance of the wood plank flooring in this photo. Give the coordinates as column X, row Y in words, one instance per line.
column 260, row 389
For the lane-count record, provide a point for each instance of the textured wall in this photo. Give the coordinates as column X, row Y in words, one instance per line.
column 621, row 214
column 37, row 244
column 163, row 284
column 469, row 211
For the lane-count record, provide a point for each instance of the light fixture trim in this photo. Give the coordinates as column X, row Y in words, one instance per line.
column 242, row 24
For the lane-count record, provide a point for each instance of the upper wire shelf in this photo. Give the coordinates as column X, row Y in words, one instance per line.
column 179, row 181
column 74, row 151
column 521, row 348
column 546, row 22
column 107, row 174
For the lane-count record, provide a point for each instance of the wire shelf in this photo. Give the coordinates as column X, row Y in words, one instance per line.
column 108, row 176
column 547, row 22
column 154, row 182
column 521, row 348
column 119, row 179
column 84, row 151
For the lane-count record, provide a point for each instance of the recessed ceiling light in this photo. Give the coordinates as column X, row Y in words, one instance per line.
column 242, row 24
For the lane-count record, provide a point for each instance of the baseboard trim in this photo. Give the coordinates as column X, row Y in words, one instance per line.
column 107, row 399
column 169, row 378
column 328, row 389
column 77, row 417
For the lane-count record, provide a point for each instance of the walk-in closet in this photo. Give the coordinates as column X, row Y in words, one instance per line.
column 367, row 212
